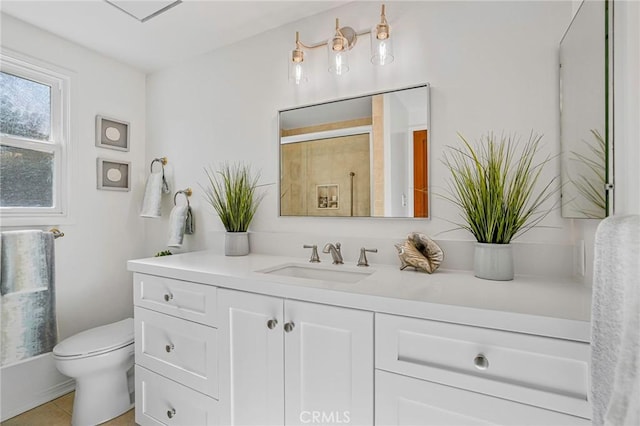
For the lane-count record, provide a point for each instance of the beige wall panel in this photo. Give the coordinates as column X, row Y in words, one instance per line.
column 326, row 163
column 378, row 154
column 293, row 200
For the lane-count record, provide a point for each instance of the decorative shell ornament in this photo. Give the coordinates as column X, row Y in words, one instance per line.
column 420, row 252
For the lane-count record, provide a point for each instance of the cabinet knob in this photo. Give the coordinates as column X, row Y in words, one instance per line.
column 171, row 413
column 169, row 347
column 168, row 296
column 272, row 323
column 288, row 327
column 481, row 362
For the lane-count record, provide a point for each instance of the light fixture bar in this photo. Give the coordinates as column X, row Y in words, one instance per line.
column 343, row 40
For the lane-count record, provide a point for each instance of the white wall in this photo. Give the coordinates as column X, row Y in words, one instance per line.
column 93, row 286
column 492, row 66
column 397, row 139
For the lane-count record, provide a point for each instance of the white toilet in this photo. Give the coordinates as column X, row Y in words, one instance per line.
column 98, row 359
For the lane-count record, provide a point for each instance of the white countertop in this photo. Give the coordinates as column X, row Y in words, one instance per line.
column 537, row 305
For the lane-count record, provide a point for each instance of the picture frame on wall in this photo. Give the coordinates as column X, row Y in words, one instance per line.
column 112, row 133
column 113, row 175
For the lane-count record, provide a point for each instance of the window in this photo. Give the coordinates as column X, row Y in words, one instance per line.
column 34, row 148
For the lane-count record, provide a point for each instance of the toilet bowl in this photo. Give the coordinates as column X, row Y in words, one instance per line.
column 98, row 359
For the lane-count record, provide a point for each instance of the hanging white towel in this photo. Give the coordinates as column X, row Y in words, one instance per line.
column 27, row 295
column 190, row 226
column 615, row 322
column 155, row 187
column 177, row 224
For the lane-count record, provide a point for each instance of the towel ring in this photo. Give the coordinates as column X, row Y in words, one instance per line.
column 161, row 160
column 186, row 192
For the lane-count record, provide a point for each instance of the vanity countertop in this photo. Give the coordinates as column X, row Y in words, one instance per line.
column 537, row 305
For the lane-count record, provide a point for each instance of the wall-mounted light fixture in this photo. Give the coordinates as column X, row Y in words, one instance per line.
column 338, row 47
column 381, row 47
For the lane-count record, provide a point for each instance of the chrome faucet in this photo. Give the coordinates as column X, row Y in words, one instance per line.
column 335, row 253
column 363, row 256
column 314, row 253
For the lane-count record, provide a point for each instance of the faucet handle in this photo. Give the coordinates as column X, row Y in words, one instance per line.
column 314, row 253
column 363, row 256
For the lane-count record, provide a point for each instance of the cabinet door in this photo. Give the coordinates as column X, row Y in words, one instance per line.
column 405, row 401
column 328, row 365
column 251, row 359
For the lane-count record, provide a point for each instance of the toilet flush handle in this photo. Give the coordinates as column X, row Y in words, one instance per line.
column 169, row 347
column 171, row 413
column 168, row 297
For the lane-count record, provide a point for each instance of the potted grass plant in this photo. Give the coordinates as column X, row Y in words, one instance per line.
column 232, row 191
column 496, row 185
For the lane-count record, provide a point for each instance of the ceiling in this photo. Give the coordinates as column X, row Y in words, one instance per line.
column 191, row 28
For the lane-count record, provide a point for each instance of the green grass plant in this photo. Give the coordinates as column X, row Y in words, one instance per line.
column 232, row 191
column 495, row 185
column 591, row 182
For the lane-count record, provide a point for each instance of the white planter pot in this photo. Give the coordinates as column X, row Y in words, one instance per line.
column 493, row 261
column 236, row 244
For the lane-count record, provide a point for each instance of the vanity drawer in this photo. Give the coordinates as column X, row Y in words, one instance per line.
column 182, row 299
column 180, row 350
column 160, row 401
column 405, row 401
column 542, row 371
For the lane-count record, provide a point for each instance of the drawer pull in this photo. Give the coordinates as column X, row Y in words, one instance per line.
column 171, row 413
column 168, row 297
column 481, row 362
column 169, row 347
column 272, row 323
column 288, row 327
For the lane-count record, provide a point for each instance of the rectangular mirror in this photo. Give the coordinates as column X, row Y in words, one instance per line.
column 585, row 113
column 366, row 156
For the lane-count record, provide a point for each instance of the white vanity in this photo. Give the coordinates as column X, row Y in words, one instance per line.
column 253, row 340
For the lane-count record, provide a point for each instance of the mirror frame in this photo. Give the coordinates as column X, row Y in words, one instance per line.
column 608, row 107
column 346, row 98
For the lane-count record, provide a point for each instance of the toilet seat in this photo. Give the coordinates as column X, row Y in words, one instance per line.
column 96, row 341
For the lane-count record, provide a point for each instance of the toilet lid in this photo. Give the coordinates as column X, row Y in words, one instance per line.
column 97, row 340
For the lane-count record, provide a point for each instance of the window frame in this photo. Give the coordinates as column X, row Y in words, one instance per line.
column 58, row 143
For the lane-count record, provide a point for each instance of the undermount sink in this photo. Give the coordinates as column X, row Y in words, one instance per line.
column 318, row 273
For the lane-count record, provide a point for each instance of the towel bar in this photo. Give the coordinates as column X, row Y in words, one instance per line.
column 56, row 233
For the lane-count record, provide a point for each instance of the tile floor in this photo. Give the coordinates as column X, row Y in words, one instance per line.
column 58, row 413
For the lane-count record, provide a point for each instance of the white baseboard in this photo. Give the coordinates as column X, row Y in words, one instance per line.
column 31, row 383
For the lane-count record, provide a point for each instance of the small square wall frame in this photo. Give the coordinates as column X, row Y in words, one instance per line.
column 113, row 175
column 112, row 133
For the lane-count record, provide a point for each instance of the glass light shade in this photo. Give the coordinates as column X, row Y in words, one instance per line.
column 338, row 60
column 381, row 49
column 298, row 72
